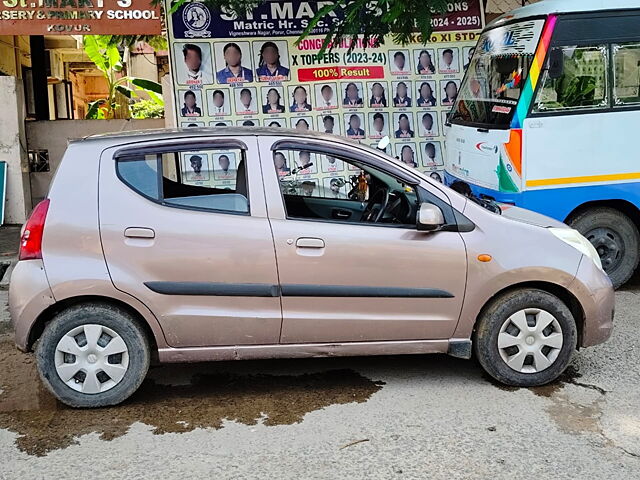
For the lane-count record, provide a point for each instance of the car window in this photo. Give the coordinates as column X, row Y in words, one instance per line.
column 626, row 84
column 325, row 187
column 582, row 85
column 205, row 179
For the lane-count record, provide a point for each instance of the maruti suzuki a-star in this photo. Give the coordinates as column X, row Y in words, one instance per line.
column 148, row 255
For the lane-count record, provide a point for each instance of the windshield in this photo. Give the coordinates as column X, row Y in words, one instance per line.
column 496, row 75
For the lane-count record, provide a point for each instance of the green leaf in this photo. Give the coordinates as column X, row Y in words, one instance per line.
column 92, row 113
column 115, row 60
column 145, row 84
column 155, row 98
column 126, row 91
column 93, row 51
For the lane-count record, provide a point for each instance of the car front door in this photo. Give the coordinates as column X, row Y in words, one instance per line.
column 344, row 280
column 184, row 229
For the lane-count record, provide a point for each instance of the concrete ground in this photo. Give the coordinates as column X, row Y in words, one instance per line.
column 384, row 417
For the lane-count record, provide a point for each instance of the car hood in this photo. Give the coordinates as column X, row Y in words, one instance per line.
column 527, row 216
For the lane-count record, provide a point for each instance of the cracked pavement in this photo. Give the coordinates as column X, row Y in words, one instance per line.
column 384, row 417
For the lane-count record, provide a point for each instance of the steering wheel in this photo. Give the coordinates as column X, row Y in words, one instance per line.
column 371, row 214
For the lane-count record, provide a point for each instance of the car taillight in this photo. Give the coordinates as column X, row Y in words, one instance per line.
column 31, row 239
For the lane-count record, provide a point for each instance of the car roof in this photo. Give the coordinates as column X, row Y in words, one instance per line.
column 547, row 7
column 168, row 133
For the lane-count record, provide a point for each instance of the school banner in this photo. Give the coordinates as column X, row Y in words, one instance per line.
column 248, row 71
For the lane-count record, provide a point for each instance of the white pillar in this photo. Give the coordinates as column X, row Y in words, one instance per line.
column 12, row 150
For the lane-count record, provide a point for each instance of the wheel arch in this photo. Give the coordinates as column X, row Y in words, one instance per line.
column 38, row 326
column 623, row 206
column 559, row 291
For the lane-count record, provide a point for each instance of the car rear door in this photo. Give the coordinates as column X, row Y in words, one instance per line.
column 191, row 239
column 347, row 281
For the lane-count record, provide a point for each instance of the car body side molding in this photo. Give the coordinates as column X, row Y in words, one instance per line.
column 291, row 290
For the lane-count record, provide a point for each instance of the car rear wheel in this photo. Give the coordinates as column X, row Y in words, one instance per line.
column 93, row 356
column 525, row 338
column 615, row 238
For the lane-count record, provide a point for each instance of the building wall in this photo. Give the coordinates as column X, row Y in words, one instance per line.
column 53, row 136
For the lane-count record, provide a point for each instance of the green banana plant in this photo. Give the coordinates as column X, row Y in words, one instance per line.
column 106, row 56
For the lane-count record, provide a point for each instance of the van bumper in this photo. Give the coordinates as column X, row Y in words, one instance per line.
column 29, row 295
column 593, row 289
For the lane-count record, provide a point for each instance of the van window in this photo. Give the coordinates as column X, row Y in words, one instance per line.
column 583, row 84
column 626, row 84
column 211, row 179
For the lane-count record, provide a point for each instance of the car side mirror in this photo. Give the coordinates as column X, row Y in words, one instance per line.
column 556, row 63
column 430, row 218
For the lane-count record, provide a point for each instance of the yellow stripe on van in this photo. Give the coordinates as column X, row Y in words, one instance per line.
column 591, row 178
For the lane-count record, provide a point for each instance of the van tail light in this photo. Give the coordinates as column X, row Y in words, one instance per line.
column 31, row 239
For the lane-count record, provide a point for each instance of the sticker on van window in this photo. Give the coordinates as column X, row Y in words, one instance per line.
column 501, row 109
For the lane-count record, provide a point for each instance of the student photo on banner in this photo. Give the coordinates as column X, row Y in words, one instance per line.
column 272, row 60
column 191, row 124
column 326, row 96
column 402, row 125
column 377, row 92
column 401, row 94
column 378, row 124
column 299, row 98
column 354, row 123
column 407, row 154
column 467, row 56
column 195, row 167
column 399, row 62
column 428, row 122
column 331, row 164
column 248, row 122
column 335, row 187
column 449, row 89
column 304, row 162
column 218, row 102
column 352, row 95
column 224, row 166
column 281, row 163
column 246, row 101
column 431, row 154
column 436, row 176
column 329, row 123
column 193, row 64
column 220, row 123
column 191, row 103
column 425, row 94
column 233, row 62
column 448, row 60
column 272, row 100
column 302, row 124
column 275, row 122
column 424, row 62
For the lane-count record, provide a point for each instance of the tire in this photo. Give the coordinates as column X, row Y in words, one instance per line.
column 505, row 311
column 118, row 332
column 615, row 237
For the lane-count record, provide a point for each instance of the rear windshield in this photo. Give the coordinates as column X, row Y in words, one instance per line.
column 496, row 75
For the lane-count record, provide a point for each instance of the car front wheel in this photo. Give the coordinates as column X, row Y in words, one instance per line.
column 525, row 338
column 93, row 356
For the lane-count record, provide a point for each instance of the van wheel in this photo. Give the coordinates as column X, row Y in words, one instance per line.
column 525, row 338
column 93, row 356
column 616, row 239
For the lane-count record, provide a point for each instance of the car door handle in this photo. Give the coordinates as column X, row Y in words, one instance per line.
column 341, row 214
column 139, row 232
column 310, row 243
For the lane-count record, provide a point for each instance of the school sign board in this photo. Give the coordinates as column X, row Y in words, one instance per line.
column 248, row 71
column 79, row 17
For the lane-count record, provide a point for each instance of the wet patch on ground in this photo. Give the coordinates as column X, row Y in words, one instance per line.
column 43, row 424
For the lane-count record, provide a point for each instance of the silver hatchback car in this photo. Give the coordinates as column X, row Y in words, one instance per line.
column 221, row 244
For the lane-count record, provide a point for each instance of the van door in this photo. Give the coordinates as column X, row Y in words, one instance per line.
column 184, row 230
column 344, row 279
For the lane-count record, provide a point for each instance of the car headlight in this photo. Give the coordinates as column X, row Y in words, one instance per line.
column 575, row 239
